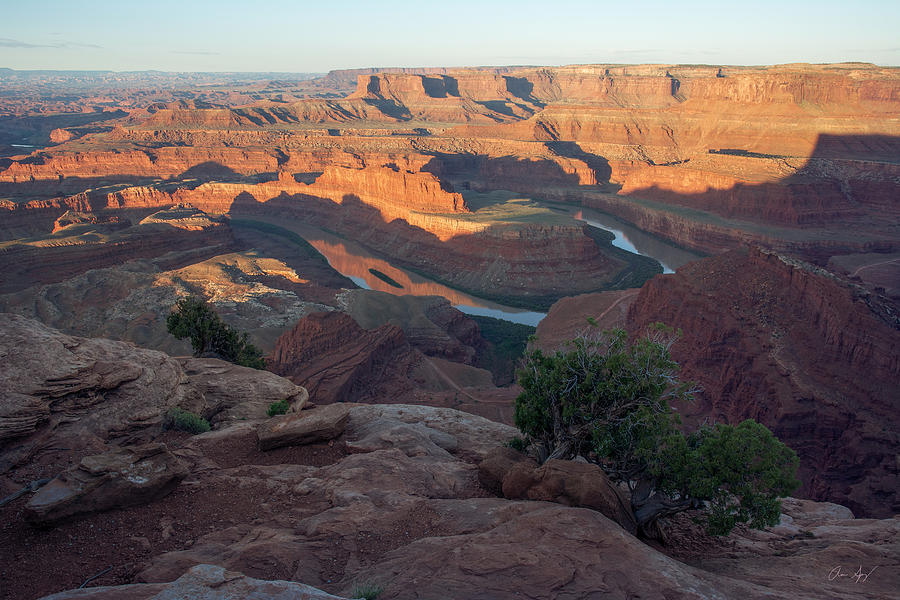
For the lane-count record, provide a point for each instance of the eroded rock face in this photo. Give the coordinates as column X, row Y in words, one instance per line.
column 122, row 477
column 809, row 355
column 337, row 360
column 568, row 318
column 82, row 388
column 231, row 392
column 81, row 394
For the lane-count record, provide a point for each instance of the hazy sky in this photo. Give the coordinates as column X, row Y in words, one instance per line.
column 300, row 36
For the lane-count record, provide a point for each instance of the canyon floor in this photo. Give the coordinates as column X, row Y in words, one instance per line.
column 367, row 229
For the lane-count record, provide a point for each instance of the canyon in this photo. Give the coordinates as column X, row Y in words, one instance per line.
column 275, row 199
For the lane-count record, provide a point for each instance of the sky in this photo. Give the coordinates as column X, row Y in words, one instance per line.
column 302, row 36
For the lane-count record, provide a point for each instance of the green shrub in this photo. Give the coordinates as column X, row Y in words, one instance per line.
column 193, row 318
column 368, row 591
column 609, row 400
column 184, row 420
column 278, row 408
column 517, row 443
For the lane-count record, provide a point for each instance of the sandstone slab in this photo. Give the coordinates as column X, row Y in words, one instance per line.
column 122, row 477
column 322, row 423
column 414, row 439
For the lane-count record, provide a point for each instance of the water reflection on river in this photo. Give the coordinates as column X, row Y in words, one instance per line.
column 354, row 261
column 636, row 241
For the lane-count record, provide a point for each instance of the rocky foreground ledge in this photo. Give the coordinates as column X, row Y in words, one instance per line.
column 387, row 495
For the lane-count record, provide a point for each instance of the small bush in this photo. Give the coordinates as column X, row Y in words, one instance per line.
column 368, row 591
column 183, row 420
column 517, row 443
column 278, row 408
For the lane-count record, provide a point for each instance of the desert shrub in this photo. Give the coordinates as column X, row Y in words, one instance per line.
column 517, row 443
column 183, row 420
column 278, row 408
column 368, row 591
column 608, row 400
column 192, row 318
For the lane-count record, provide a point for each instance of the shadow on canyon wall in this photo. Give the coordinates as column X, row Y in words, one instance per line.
column 483, row 172
column 847, row 177
column 849, row 183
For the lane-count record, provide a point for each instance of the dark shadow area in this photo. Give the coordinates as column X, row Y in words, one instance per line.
column 211, row 171
column 523, row 89
column 440, row 87
column 858, row 147
column 498, row 106
column 391, row 108
column 482, row 172
column 842, row 200
column 597, row 164
column 846, row 180
column 307, row 178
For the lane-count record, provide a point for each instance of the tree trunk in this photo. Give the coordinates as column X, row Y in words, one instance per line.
column 649, row 505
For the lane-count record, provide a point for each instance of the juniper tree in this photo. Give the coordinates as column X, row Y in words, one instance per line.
column 608, row 400
column 193, row 318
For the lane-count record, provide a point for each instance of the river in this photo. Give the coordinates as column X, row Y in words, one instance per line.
column 356, row 263
column 636, row 241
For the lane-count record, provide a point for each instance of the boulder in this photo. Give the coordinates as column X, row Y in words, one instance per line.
column 476, row 436
column 497, row 464
column 514, row 476
column 203, row 582
column 317, row 425
column 81, row 386
column 123, row 477
column 233, row 393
